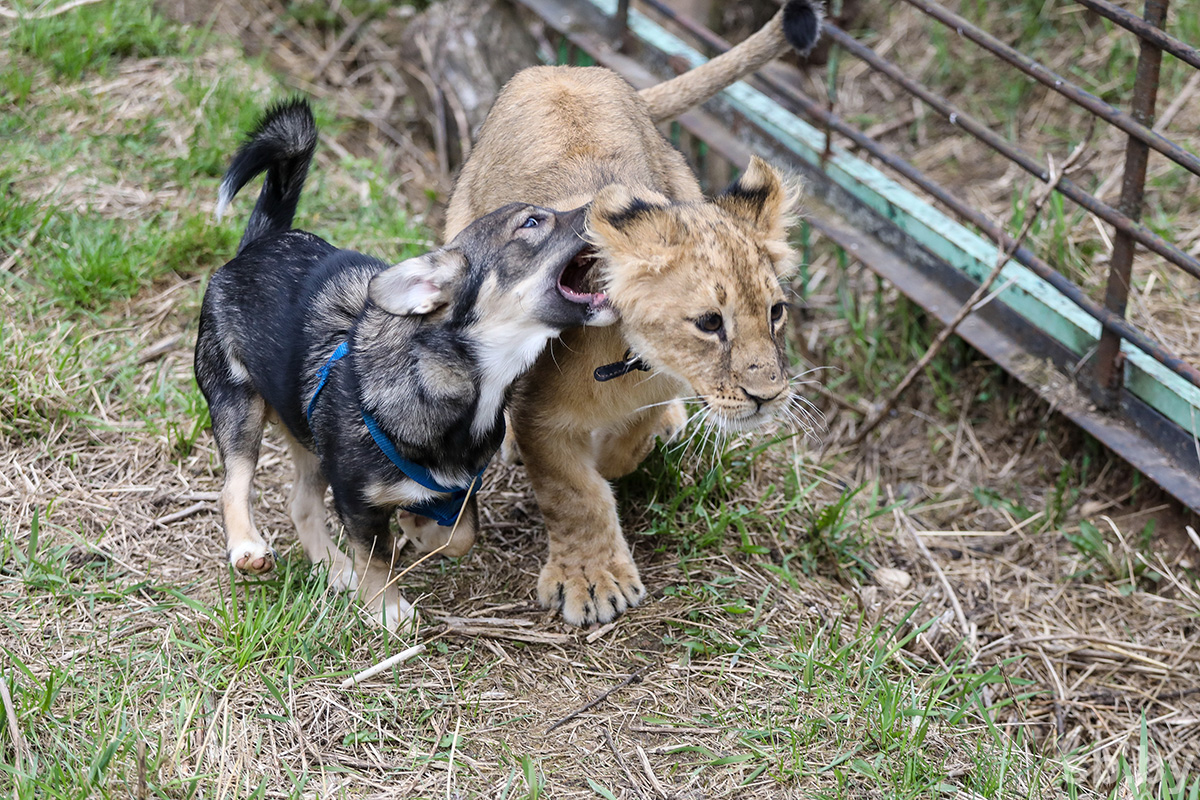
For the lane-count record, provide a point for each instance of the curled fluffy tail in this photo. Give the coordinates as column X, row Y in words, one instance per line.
column 282, row 146
column 797, row 25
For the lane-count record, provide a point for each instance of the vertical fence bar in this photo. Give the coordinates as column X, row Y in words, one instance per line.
column 620, row 24
column 1109, row 361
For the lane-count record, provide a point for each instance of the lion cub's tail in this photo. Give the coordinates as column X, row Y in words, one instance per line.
column 798, row 24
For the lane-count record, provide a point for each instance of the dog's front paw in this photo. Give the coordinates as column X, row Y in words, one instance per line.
column 585, row 593
column 252, row 558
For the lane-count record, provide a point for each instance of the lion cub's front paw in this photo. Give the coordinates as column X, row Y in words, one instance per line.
column 590, row 592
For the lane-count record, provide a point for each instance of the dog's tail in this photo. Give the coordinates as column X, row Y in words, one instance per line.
column 797, row 25
column 282, row 146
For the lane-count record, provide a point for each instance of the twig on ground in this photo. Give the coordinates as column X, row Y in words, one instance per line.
column 968, row 629
column 623, row 764
column 973, row 302
column 636, row 677
column 386, row 664
column 194, row 508
column 516, row 635
column 450, row 762
column 658, row 787
column 143, row 788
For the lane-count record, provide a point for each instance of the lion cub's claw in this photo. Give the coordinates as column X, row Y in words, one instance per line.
column 586, row 594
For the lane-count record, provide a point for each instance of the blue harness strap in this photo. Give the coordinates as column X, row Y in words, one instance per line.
column 443, row 510
column 339, row 352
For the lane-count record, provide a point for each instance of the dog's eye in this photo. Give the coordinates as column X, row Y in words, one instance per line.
column 777, row 311
column 532, row 222
column 710, row 323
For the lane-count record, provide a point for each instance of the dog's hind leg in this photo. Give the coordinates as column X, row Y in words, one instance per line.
column 370, row 540
column 238, row 416
column 308, row 514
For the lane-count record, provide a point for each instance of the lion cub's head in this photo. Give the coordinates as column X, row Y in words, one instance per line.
column 697, row 287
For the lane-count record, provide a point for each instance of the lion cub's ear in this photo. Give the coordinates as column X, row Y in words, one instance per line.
column 419, row 285
column 629, row 225
column 762, row 198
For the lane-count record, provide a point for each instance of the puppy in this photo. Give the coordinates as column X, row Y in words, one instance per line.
column 388, row 381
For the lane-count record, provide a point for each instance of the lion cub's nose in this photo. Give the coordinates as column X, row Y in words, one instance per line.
column 759, row 400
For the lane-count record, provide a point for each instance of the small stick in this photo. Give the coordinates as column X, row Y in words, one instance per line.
column 968, row 631
column 450, row 765
column 194, row 508
column 658, row 787
column 636, row 677
column 386, row 664
column 881, row 410
column 143, row 789
column 624, row 766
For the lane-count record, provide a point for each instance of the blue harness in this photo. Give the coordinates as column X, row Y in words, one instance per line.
column 445, row 511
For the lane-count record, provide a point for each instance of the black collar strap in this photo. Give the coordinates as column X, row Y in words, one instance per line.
column 628, row 363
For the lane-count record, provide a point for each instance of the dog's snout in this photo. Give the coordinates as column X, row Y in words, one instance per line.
column 574, row 219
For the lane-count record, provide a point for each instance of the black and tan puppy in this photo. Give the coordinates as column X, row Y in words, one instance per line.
column 389, row 381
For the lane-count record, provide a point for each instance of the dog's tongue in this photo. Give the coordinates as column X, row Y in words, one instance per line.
column 574, row 282
column 591, row 299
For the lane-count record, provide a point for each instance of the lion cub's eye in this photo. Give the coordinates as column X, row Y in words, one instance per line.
column 710, row 323
column 777, row 311
column 532, row 222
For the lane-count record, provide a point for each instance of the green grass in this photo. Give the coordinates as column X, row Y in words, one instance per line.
column 94, row 37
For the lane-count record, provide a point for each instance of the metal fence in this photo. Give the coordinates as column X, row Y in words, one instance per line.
column 1097, row 367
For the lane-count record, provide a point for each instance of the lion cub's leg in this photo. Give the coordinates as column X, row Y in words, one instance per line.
column 619, row 452
column 590, row 575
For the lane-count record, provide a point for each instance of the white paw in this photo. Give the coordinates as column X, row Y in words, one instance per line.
column 398, row 613
column 252, row 558
column 343, row 578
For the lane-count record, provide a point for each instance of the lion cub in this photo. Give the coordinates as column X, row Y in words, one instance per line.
column 695, row 282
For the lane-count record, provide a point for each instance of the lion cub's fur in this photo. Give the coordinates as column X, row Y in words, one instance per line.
column 673, row 264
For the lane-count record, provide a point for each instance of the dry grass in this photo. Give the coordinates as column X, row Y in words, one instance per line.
column 1085, row 49
column 769, row 660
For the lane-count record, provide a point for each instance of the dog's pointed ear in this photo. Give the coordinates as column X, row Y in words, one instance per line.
column 767, row 201
column 419, row 285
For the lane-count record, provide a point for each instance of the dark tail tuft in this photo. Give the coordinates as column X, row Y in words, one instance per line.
column 281, row 145
column 802, row 24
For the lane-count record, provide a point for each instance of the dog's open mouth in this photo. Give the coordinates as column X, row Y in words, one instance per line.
column 577, row 280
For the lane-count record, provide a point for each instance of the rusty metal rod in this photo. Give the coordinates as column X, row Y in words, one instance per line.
column 1067, row 187
column 1109, row 374
column 815, row 111
column 1040, row 73
column 1132, row 22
